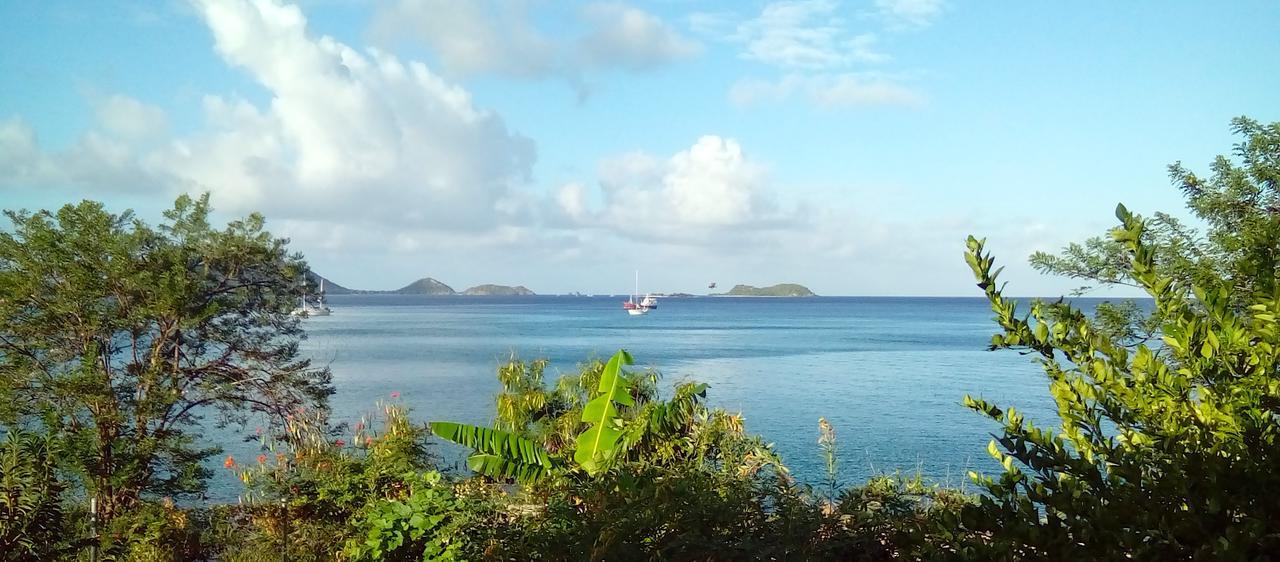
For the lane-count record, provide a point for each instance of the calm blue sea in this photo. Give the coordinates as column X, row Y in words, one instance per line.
column 889, row 373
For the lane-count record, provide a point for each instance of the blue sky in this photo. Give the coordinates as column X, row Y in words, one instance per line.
column 849, row 146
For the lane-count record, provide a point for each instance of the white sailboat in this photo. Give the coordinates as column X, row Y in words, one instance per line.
column 306, row 309
column 636, row 308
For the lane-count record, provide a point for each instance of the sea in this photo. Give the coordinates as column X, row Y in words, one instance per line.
column 890, row 374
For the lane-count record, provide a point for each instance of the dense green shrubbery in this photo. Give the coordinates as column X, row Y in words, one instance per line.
column 30, row 497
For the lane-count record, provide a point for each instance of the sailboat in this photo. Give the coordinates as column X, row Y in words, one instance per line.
column 306, row 309
column 631, row 306
column 321, row 308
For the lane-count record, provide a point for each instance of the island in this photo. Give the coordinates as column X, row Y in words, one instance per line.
column 499, row 290
column 424, row 286
column 779, row 290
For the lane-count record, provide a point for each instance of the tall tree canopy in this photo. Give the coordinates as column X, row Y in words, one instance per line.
column 121, row 340
column 1239, row 204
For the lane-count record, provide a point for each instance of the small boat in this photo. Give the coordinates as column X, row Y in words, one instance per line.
column 636, row 308
column 649, row 301
column 712, row 285
column 306, row 309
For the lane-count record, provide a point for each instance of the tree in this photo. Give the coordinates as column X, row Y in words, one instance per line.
column 120, row 339
column 1240, row 205
column 1167, row 456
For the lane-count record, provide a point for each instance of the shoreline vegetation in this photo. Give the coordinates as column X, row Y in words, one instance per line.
column 119, row 340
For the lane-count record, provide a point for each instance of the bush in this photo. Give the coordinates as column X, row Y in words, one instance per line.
column 31, row 515
column 1165, row 453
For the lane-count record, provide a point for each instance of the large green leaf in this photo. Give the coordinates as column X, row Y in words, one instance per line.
column 601, row 439
column 502, row 468
column 499, row 454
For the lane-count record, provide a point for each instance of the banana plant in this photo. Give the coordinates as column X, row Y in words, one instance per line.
column 498, row 454
column 504, row 455
column 598, row 444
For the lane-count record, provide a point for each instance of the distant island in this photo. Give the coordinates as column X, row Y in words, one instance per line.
column 425, row 286
column 499, row 290
column 779, row 290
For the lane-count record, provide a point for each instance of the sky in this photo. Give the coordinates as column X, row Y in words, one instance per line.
column 848, row 146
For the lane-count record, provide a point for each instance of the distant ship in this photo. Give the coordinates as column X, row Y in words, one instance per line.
column 712, row 285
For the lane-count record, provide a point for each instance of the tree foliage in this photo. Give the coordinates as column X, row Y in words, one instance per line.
column 1238, row 202
column 121, row 339
column 1165, row 456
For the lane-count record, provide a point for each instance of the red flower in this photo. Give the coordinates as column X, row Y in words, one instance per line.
column 368, row 441
column 262, row 459
column 395, row 394
column 340, row 443
column 230, row 462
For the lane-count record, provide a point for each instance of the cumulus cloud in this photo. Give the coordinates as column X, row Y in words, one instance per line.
column 829, row 91
column 347, row 132
column 911, row 13
column 499, row 37
column 695, row 196
column 354, row 137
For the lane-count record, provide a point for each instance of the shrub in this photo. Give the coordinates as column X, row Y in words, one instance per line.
column 31, row 515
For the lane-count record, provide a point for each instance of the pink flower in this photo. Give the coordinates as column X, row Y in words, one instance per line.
column 395, row 394
column 262, row 459
column 368, row 441
column 258, row 430
column 340, row 443
column 359, row 426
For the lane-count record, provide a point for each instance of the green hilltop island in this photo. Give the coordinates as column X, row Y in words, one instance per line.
column 499, row 291
column 779, row 290
column 426, row 286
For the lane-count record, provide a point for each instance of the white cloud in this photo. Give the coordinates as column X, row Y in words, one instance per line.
column 347, row 134
column 631, row 38
column 911, row 13
column 830, row 91
column 698, row 195
column 499, row 37
column 131, row 119
column 20, row 156
column 805, row 35
column 96, row 159
column 473, row 37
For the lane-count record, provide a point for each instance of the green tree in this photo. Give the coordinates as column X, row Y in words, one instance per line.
column 119, row 339
column 1168, row 456
column 1239, row 203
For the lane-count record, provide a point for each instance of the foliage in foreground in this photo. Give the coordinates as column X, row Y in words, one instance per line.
column 1164, row 453
column 1238, row 202
column 118, row 337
